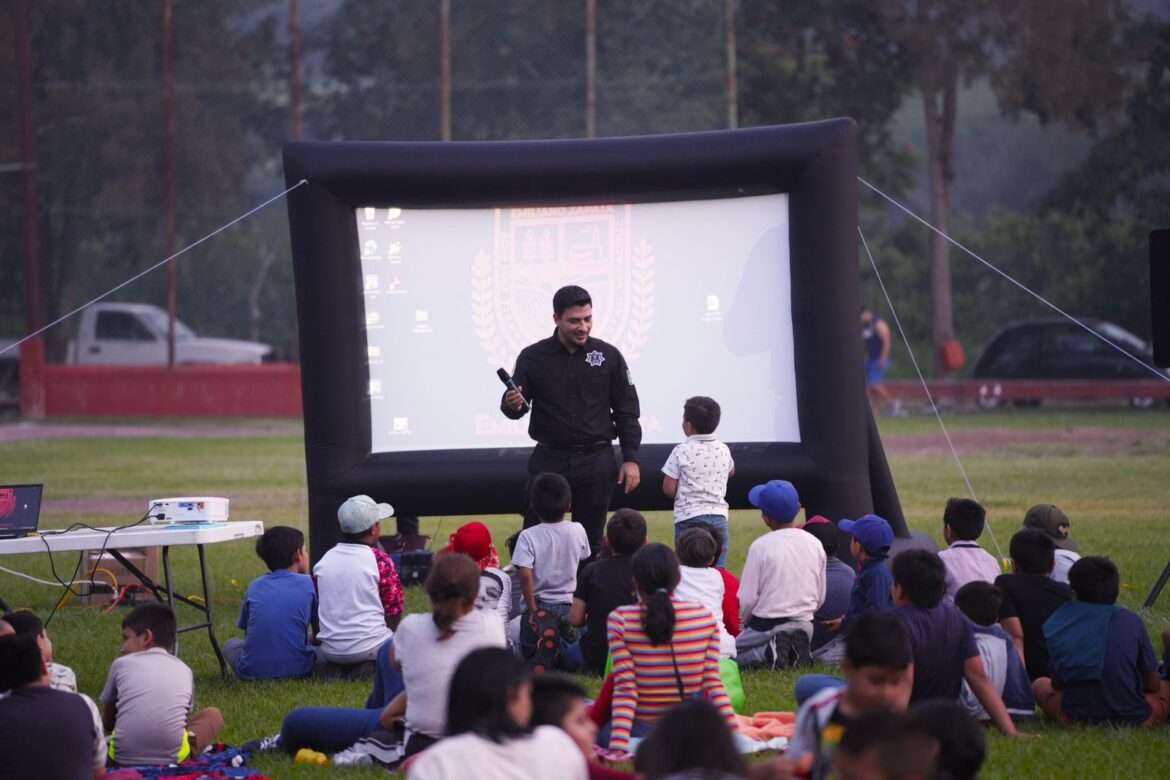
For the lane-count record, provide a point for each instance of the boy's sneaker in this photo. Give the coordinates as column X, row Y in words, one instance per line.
column 382, row 747
column 548, row 642
column 261, row 745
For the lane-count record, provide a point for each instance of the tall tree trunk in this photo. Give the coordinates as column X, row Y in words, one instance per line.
column 939, row 102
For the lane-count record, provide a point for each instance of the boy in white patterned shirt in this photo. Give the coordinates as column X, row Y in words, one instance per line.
column 697, row 472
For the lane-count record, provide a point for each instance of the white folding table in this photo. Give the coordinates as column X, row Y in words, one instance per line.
column 82, row 540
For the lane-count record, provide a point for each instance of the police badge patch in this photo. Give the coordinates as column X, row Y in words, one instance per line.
column 594, row 358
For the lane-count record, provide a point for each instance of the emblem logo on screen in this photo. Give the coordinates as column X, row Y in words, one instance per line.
column 7, row 502
column 537, row 250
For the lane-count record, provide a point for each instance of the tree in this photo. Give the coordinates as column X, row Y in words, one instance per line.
column 814, row 60
column 1063, row 60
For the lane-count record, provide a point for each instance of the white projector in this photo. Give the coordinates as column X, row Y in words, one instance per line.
column 192, row 510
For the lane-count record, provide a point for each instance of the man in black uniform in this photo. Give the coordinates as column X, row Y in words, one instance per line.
column 582, row 395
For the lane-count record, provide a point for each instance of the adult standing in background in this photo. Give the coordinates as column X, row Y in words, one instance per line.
column 582, row 396
column 875, row 333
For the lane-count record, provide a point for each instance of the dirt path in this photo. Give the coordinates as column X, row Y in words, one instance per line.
column 28, row 431
column 1074, row 440
column 1080, row 439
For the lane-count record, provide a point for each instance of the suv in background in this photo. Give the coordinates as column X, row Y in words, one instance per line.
column 1055, row 348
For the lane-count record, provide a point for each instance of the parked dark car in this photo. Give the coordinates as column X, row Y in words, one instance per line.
column 1055, row 348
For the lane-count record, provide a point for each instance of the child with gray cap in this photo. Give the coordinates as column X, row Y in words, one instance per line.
column 783, row 583
column 359, row 593
column 1052, row 521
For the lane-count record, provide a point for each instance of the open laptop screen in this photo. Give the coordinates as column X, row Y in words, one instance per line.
column 20, row 509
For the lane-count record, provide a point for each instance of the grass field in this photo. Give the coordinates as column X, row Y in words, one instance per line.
column 1116, row 495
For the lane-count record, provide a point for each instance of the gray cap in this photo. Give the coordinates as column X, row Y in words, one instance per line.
column 361, row 513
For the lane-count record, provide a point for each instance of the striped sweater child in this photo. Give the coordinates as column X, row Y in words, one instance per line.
column 645, row 686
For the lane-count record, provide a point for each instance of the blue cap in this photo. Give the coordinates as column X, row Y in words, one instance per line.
column 871, row 532
column 777, row 499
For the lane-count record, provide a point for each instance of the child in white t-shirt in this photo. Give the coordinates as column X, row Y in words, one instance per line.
column 428, row 648
column 547, row 556
column 700, row 583
column 697, row 472
column 358, row 590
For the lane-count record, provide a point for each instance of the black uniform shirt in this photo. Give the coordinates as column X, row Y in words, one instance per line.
column 580, row 397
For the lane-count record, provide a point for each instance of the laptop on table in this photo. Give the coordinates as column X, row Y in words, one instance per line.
column 20, row 510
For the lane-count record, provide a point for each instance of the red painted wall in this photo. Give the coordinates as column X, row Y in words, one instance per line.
column 272, row 390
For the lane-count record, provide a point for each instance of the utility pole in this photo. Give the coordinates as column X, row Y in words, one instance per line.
column 445, row 70
column 294, row 69
column 590, row 68
column 28, row 154
column 169, row 120
column 732, row 80
column 32, row 352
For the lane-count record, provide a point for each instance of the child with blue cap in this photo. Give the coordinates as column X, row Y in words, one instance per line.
column 783, row 583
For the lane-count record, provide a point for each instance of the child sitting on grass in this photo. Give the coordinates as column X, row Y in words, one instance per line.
column 693, row 741
column 783, row 583
column 966, row 561
column 887, row 746
column 47, row 733
column 730, row 583
column 559, row 701
column 360, row 595
column 278, row 610
column 878, row 676
column 870, row 547
column 980, row 602
column 495, row 586
column 24, row 623
column 1103, row 667
column 1030, row 597
column 664, row 650
column 962, row 741
column 700, row 581
column 489, row 719
column 547, row 556
column 603, row 586
column 943, row 642
column 827, row 646
column 428, row 648
column 697, row 472
column 1054, row 523
column 149, row 695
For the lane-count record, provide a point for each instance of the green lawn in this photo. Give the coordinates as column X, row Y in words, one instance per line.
column 1117, row 503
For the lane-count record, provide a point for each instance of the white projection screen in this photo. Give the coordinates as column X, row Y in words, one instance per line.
column 696, row 294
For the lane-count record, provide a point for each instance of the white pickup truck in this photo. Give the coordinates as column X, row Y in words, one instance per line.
column 135, row 334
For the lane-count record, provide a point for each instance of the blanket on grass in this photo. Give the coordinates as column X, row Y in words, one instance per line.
column 220, row 763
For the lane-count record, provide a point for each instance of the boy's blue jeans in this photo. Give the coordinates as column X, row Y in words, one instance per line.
column 720, row 523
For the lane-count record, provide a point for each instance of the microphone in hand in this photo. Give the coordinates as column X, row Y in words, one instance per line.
column 508, row 383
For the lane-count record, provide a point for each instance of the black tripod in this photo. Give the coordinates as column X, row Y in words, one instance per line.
column 1157, row 589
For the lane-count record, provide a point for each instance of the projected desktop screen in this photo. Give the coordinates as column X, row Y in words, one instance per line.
column 696, row 295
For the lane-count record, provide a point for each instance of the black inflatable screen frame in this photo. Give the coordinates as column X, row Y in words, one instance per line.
column 839, row 468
